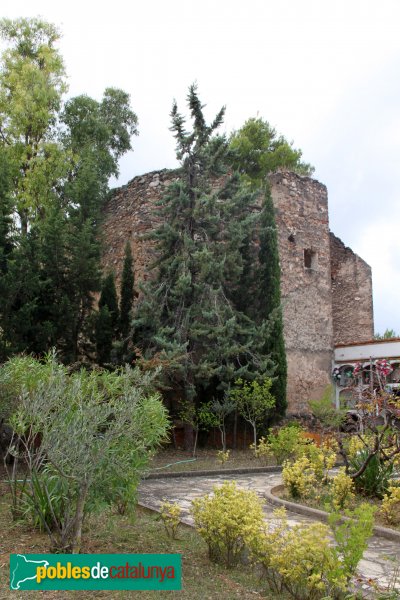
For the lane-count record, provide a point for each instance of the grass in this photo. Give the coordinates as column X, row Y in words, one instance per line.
column 174, row 461
column 139, row 533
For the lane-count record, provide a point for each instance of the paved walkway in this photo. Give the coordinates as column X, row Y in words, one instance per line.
column 379, row 562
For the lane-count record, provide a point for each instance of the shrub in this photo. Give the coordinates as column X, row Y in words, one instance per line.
column 342, row 490
column 351, row 535
column 299, row 477
column 391, row 505
column 170, row 515
column 263, row 450
column 298, row 560
column 322, row 458
column 374, row 481
column 223, row 456
column 226, row 519
column 96, row 430
column 283, row 445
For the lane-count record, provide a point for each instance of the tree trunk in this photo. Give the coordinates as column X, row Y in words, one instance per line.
column 76, row 541
column 188, row 436
column 196, row 435
column 255, row 437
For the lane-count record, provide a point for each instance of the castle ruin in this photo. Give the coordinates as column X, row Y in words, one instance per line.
column 326, row 288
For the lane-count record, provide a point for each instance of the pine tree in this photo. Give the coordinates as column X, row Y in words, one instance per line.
column 188, row 313
column 126, row 300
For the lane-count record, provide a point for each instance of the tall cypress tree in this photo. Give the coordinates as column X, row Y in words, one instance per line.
column 107, row 320
column 269, row 299
column 126, row 300
column 188, row 313
column 256, row 151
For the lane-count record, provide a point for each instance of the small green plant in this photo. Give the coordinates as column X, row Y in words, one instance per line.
column 299, row 477
column 226, row 519
column 263, row 450
column 374, row 480
column 391, row 505
column 43, row 499
column 223, row 456
column 170, row 516
column 351, row 535
column 342, row 490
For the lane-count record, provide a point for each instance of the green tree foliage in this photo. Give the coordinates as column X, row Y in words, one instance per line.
column 254, row 402
column 108, row 298
column 97, row 430
column 257, row 151
column 107, row 320
column 386, row 335
column 32, row 81
column 55, row 163
column 127, row 289
column 188, row 313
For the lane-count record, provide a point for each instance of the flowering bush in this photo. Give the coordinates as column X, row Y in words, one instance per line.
column 226, row 519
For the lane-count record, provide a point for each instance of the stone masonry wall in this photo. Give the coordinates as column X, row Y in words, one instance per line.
column 305, row 254
column 353, row 319
column 301, row 206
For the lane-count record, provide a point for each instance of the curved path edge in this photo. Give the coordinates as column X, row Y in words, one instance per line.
column 320, row 515
column 213, row 473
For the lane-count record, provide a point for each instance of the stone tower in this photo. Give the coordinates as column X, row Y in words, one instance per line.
column 320, row 277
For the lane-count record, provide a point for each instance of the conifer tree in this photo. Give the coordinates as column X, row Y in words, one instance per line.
column 107, row 320
column 58, row 159
column 269, row 300
column 126, row 300
column 108, row 297
column 256, row 151
column 188, row 313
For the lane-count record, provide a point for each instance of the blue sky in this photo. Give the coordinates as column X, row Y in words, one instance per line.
column 325, row 73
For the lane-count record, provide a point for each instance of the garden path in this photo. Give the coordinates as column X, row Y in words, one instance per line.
column 380, row 559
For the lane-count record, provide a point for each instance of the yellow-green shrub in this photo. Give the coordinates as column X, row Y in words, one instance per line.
column 223, row 456
column 357, row 443
column 299, row 559
column 170, row 515
column 342, row 490
column 283, row 444
column 225, row 519
column 322, row 458
column 263, row 450
column 391, row 505
column 299, row 477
